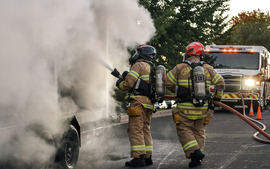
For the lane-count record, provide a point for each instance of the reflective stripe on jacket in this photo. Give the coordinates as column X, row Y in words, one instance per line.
column 180, row 75
column 140, row 70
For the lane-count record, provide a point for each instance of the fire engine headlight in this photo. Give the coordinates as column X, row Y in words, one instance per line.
column 250, row 82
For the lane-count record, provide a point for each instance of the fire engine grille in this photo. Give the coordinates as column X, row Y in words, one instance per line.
column 232, row 83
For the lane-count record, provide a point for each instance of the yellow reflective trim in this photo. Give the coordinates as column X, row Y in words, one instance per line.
column 219, row 93
column 148, row 148
column 121, row 85
column 190, row 144
column 127, row 96
column 184, row 82
column 237, row 96
column 254, row 96
column 171, row 77
column 208, row 83
column 148, row 68
column 134, row 96
column 191, row 106
column 231, row 96
column 216, row 78
column 145, row 77
column 134, row 74
column 189, row 82
column 192, row 117
column 185, row 70
column 138, row 148
column 148, row 106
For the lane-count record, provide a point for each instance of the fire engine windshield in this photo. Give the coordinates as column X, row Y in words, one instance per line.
column 233, row 60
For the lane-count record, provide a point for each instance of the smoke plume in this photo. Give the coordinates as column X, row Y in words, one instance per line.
column 50, row 59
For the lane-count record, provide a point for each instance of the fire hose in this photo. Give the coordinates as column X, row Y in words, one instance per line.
column 255, row 135
column 248, row 120
column 243, row 117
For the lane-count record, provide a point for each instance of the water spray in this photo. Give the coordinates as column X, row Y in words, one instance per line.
column 114, row 71
column 104, row 63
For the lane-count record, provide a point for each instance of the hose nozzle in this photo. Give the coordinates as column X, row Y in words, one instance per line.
column 116, row 73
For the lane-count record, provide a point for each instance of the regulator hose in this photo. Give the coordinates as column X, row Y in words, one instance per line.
column 247, row 120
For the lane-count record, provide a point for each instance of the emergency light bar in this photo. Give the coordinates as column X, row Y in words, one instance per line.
column 229, row 49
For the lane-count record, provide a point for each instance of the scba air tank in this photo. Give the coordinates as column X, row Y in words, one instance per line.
column 160, row 75
column 199, row 83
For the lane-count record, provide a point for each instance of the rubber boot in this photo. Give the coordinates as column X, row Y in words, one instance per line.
column 148, row 161
column 136, row 162
column 196, row 158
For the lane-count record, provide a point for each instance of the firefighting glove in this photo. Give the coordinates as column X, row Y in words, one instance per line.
column 118, row 82
column 115, row 73
column 211, row 104
column 207, row 119
column 124, row 74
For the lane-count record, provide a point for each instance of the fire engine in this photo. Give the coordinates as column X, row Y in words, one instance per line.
column 245, row 70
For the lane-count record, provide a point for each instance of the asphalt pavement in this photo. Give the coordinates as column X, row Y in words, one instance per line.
column 229, row 145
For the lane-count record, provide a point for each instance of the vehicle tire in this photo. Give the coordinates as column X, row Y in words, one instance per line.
column 68, row 152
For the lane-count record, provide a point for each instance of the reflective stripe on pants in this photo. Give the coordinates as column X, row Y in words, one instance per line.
column 139, row 133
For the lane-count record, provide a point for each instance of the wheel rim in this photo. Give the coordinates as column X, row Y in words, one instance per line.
column 71, row 149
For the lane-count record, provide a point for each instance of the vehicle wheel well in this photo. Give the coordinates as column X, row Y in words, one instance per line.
column 75, row 123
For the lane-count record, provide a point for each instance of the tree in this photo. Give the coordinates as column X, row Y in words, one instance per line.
column 251, row 28
column 119, row 96
column 180, row 22
column 183, row 21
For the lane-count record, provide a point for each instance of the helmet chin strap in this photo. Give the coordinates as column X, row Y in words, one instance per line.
column 134, row 58
column 202, row 56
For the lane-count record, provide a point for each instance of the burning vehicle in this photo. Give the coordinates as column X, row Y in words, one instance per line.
column 51, row 83
column 50, row 138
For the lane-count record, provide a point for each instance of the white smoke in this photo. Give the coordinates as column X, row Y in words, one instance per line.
column 52, row 43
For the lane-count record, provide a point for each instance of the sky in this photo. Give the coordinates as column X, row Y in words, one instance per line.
column 237, row 6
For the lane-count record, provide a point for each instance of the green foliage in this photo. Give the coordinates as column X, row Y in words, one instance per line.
column 181, row 22
column 178, row 23
column 119, row 96
column 250, row 28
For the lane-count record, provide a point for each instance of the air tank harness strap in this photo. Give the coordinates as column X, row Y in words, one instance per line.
column 146, row 89
column 183, row 94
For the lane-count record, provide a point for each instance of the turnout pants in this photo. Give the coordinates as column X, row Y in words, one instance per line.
column 139, row 130
column 191, row 134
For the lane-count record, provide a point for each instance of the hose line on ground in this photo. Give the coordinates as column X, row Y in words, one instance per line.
column 255, row 135
column 245, row 118
column 248, row 120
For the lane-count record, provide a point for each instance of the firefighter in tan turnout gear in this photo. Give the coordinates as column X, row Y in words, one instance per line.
column 138, row 82
column 190, row 80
